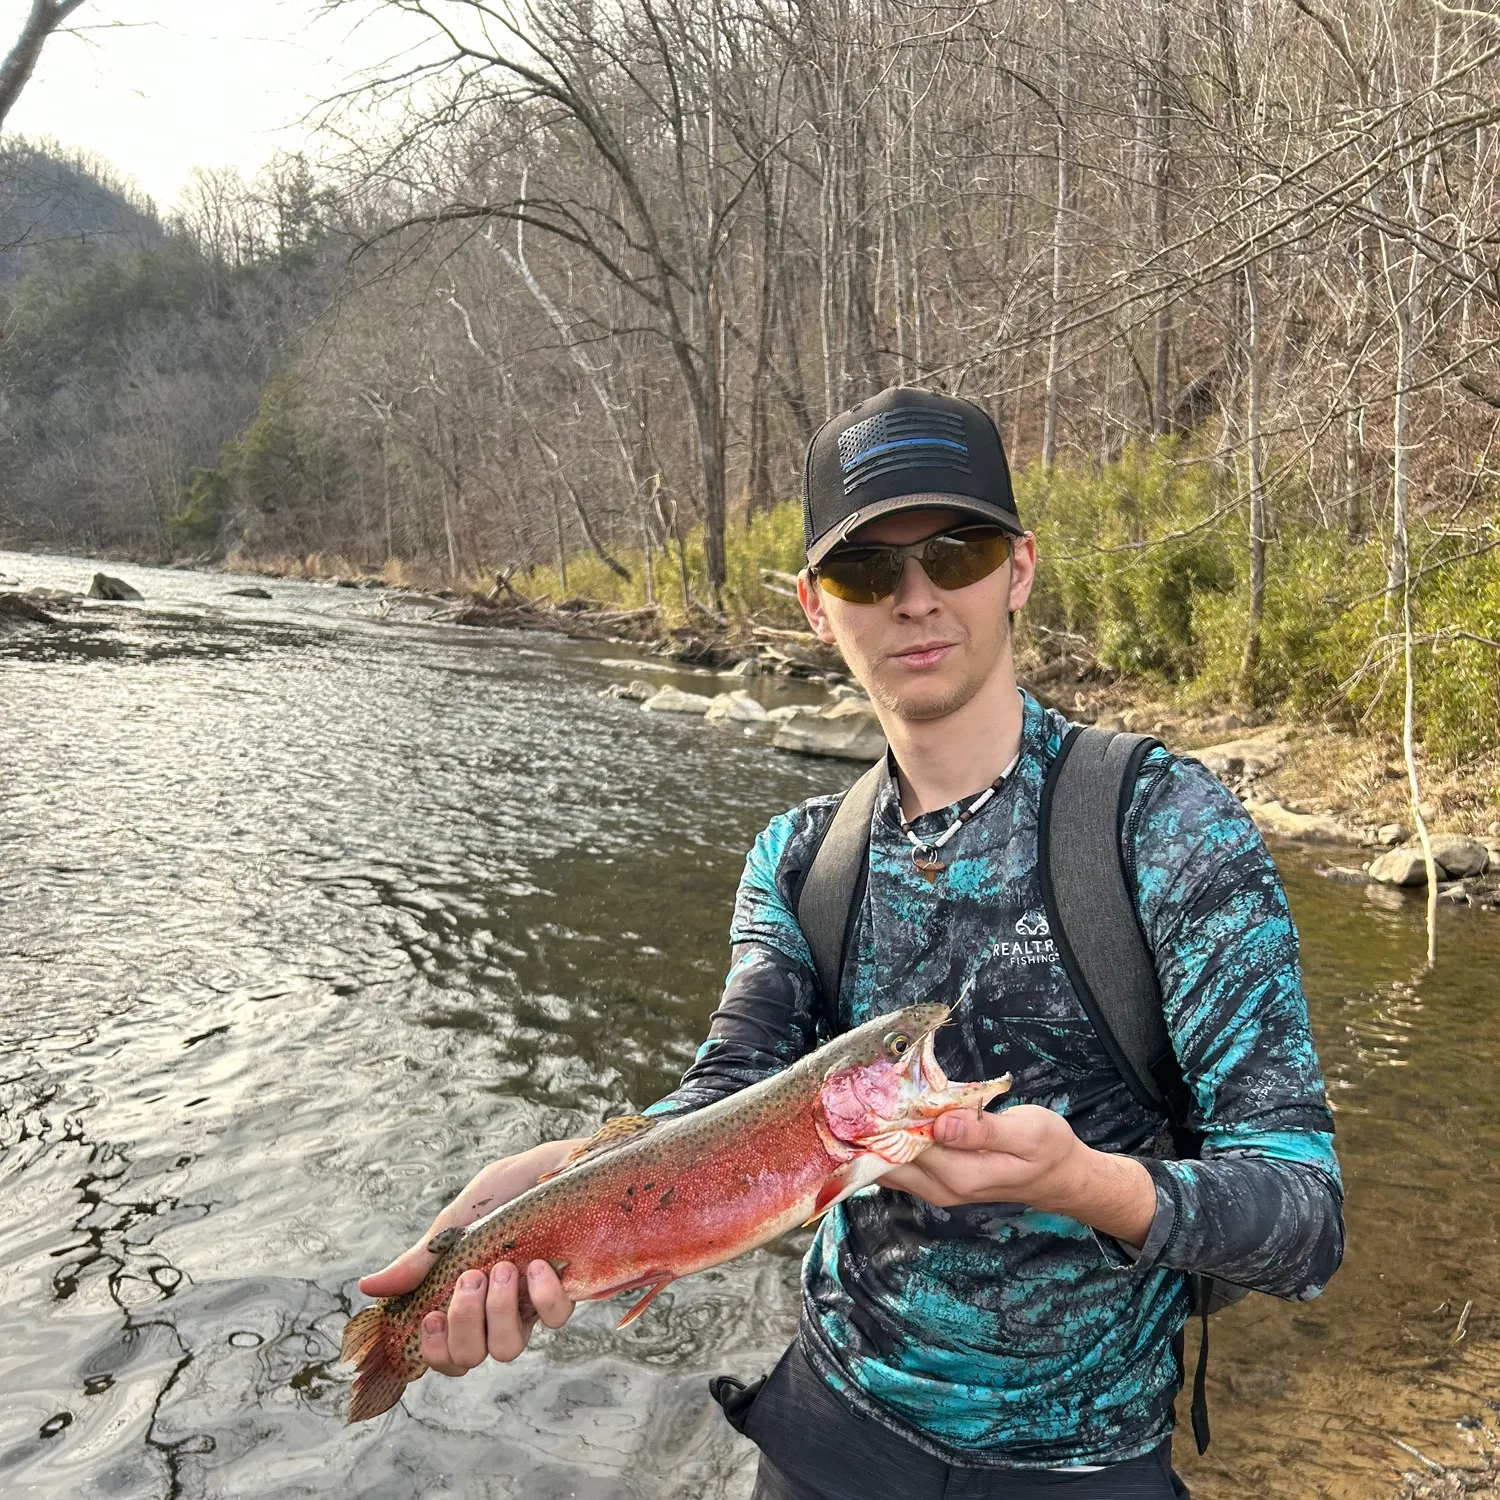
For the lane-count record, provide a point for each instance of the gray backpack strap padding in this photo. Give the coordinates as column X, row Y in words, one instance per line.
column 833, row 886
column 1091, row 908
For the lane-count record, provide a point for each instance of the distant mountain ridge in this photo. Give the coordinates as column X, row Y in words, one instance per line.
column 48, row 197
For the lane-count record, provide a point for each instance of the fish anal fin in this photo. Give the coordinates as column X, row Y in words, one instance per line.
column 609, row 1135
column 645, row 1301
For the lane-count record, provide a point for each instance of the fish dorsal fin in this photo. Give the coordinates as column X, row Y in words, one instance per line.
column 609, row 1135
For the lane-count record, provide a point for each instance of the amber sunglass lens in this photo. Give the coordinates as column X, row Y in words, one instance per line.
column 861, row 575
column 965, row 558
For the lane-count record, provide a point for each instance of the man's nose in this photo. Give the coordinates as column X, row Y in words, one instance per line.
column 916, row 594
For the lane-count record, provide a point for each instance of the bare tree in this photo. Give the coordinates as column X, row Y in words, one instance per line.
column 45, row 17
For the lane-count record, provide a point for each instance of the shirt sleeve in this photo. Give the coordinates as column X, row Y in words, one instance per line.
column 1263, row 1206
column 767, row 1016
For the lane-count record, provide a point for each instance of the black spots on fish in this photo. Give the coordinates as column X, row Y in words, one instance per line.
column 444, row 1240
column 508, row 1245
column 648, row 1187
column 665, row 1198
column 627, row 1203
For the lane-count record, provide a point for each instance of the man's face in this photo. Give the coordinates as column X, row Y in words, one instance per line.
column 924, row 652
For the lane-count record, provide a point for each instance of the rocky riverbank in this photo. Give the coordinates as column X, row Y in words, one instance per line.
column 1307, row 783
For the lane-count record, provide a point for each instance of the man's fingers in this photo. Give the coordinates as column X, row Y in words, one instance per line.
column 435, row 1345
column 403, row 1273
column 467, row 1344
column 553, row 1305
column 507, row 1329
column 407, row 1270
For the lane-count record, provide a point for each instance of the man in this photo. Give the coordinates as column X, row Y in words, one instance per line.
column 997, row 1318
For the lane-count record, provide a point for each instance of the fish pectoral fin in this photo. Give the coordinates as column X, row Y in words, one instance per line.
column 666, row 1280
column 609, row 1135
column 834, row 1191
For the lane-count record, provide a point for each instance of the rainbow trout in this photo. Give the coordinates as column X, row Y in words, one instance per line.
column 648, row 1200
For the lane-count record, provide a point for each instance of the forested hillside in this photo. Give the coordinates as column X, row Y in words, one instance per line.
column 1227, row 275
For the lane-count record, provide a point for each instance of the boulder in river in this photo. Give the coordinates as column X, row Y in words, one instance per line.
column 848, row 731
column 1391, row 834
column 253, row 592
column 16, row 611
column 1458, row 855
column 670, row 700
column 735, row 708
column 1402, row 866
column 789, row 711
column 105, row 587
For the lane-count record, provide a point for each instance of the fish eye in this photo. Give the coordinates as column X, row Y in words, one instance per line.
column 897, row 1043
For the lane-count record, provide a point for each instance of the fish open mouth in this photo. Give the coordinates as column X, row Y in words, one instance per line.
column 929, row 1090
column 886, row 1106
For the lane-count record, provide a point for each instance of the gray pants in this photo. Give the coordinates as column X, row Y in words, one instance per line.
column 815, row 1447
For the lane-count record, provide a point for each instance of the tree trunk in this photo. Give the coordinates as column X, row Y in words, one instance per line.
column 1251, row 659
column 1059, row 226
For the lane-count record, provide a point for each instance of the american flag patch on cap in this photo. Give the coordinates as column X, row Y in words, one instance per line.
column 896, row 440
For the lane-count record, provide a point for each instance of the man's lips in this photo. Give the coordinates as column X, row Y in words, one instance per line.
column 923, row 654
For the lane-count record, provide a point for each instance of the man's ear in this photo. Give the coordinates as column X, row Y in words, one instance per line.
column 810, row 597
column 1022, row 570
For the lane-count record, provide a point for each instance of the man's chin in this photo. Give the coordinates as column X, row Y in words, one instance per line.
column 920, row 702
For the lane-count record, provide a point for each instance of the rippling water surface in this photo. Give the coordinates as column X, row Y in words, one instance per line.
column 307, row 910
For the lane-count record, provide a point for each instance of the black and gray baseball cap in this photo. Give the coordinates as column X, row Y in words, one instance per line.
column 903, row 450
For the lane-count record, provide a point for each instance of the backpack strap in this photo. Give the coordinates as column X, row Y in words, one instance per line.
column 1091, row 910
column 833, row 886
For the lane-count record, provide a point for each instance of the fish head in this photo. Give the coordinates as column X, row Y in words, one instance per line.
column 885, row 1087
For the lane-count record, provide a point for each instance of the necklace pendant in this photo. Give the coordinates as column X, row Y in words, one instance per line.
column 927, row 861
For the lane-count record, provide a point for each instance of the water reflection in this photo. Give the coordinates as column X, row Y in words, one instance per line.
column 306, row 911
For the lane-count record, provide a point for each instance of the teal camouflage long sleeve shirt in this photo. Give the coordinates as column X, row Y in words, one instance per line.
column 995, row 1334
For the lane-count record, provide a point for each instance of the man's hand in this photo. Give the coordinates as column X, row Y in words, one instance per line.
column 484, row 1316
column 1028, row 1154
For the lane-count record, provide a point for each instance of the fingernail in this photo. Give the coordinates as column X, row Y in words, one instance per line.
column 433, row 1323
column 471, row 1281
column 504, row 1273
column 537, row 1267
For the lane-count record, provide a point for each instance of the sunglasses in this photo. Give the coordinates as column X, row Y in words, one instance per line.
column 951, row 559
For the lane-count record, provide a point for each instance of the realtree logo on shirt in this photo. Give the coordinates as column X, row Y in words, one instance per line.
column 1034, row 943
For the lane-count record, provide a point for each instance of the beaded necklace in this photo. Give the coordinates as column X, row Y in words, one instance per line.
column 924, row 853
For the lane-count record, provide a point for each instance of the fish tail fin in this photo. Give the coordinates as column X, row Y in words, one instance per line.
column 360, row 1332
column 381, row 1378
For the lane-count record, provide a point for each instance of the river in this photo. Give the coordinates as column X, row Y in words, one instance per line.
column 308, row 908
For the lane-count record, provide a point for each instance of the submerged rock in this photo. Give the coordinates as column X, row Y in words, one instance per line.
column 737, row 707
column 848, row 731
column 105, row 587
column 670, row 700
column 633, row 692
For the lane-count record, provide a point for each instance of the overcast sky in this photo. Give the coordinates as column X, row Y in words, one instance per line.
column 158, row 87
